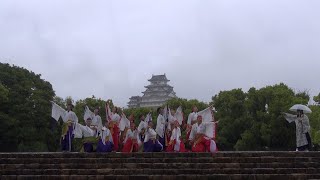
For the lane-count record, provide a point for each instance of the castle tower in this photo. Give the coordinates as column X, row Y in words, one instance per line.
column 156, row 93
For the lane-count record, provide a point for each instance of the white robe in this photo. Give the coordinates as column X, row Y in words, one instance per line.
column 150, row 134
column 81, row 131
column 142, row 125
column 96, row 121
column 302, row 127
column 194, row 131
column 206, row 128
column 206, row 115
column 105, row 132
column 70, row 115
column 171, row 120
column 192, row 117
column 160, row 125
column 124, row 123
column 115, row 117
column 133, row 135
column 175, row 135
column 58, row 112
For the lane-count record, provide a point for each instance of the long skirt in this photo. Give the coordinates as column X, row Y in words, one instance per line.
column 153, row 146
column 88, row 147
column 204, row 145
column 89, row 144
column 199, row 147
column 170, row 148
column 115, row 137
column 107, row 147
column 66, row 141
column 130, row 146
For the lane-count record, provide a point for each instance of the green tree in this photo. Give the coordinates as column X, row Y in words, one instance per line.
column 230, row 106
column 317, row 99
column 25, row 111
column 246, row 123
column 314, row 118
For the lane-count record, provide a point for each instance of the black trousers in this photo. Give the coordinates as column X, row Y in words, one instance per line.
column 309, row 141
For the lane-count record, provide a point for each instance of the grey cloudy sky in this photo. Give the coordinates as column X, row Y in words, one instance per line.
column 110, row 48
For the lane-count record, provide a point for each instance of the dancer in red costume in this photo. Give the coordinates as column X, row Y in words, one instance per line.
column 132, row 141
column 114, row 119
column 192, row 119
column 176, row 144
column 202, row 135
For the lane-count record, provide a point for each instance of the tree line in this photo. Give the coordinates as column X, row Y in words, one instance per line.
column 248, row 121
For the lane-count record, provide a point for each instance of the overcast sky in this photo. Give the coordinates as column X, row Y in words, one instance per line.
column 110, row 48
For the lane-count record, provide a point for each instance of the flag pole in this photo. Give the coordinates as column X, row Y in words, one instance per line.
column 165, row 127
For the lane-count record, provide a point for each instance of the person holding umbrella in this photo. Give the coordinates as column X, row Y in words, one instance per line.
column 302, row 126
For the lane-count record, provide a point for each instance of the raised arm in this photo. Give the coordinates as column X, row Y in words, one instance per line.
column 290, row 117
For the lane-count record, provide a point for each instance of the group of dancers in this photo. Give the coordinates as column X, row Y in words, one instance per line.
column 120, row 134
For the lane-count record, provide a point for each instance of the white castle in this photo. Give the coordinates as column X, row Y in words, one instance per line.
column 155, row 95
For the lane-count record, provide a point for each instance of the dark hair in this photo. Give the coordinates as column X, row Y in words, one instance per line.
column 71, row 106
column 117, row 110
column 300, row 113
column 158, row 110
column 141, row 116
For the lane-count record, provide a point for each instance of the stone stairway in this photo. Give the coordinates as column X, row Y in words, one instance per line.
column 162, row 166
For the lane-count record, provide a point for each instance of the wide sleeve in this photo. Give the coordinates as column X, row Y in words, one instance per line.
column 87, row 113
column 116, row 118
column 173, row 135
column 159, row 127
column 177, row 138
column 138, row 138
column 57, row 111
column 74, row 117
column 124, row 123
column 140, row 127
column 179, row 115
column 210, row 129
column 110, row 136
column 290, row 117
column 99, row 123
column 189, row 118
column 77, row 131
column 206, row 115
column 193, row 133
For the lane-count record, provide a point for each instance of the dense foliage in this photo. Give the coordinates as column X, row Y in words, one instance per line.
column 245, row 122
column 252, row 120
column 25, row 110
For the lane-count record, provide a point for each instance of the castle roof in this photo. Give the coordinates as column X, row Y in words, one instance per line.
column 159, row 78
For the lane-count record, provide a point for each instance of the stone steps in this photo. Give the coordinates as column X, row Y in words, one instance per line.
column 167, row 177
column 159, row 165
column 161, row 155
column 157, row 160
column 161, row 171
column 222, row 165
